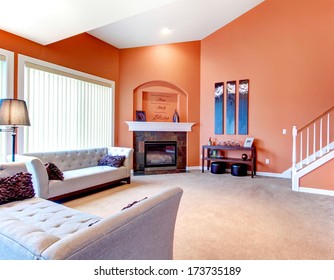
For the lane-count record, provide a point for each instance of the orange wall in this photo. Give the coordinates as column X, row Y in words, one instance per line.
column 82, row 52
column 286, row 49
column 178, row 64
column 321, row 178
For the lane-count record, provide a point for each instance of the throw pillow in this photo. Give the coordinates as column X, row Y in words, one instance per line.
column 16, row 187
column 54, row 172
column 133, row 203
column 113, row 161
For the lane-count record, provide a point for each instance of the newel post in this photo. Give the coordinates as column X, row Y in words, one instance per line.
column 294, row 157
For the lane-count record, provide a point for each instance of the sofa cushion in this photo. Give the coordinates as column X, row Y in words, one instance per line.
column 16, row 187
column 54, row 172
column 75, row 180
column 23, row 238
column 113, row 161
column 49, row 217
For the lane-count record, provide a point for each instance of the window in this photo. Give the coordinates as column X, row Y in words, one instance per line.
column 67, row 109
column 6, row 91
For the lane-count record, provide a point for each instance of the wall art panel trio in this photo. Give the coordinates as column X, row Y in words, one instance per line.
column 219, row 108
column 231, row 99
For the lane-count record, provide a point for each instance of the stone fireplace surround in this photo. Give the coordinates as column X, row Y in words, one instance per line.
column 139, row 138
column 154, row 131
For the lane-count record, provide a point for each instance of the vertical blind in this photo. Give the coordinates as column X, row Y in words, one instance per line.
column 66, row 111
column 3, row 94
column 2, row 74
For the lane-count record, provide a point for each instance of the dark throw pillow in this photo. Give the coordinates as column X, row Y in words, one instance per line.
column 113, row 161
column 16, row 187
column 54, row 172
column 133, row 203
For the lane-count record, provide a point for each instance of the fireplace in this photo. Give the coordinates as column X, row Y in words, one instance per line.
column 141, row 138
column 160, row 154
column 159, row 132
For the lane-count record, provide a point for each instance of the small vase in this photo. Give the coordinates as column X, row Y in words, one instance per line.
column 176, row 117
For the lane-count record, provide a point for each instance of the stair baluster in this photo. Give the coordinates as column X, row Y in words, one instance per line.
column 315, row 134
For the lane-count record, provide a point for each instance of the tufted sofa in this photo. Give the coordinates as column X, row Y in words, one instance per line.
column 40, row 229
column 80, row 169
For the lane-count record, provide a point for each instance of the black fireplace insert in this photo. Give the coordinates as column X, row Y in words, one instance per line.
column 160, row 153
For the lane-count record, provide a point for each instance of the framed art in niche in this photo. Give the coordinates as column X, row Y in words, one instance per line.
column 160, row 106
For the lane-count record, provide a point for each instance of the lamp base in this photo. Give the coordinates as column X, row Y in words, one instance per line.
column 13, row 143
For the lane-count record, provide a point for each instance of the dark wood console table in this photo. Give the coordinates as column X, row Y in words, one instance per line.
column 251, row 161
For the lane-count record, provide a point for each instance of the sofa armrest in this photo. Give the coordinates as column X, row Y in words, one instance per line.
column 39, row 174
column 122, row 151
column 144, row 231
column 11, row 168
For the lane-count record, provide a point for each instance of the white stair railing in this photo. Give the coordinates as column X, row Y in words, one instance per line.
column 310, row 143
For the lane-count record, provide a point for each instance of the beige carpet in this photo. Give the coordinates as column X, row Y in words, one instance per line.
column 226, row 217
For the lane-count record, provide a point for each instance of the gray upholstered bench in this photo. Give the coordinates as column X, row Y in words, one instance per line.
column 40, row 229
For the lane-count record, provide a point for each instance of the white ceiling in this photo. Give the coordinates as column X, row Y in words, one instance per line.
column 121, row 23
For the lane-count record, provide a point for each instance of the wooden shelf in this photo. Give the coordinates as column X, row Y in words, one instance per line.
column 228, row 159
column 206, row 149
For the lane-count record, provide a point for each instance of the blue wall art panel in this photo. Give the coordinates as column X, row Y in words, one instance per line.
column 219, row 108
column 230, row 107
column 243, row 107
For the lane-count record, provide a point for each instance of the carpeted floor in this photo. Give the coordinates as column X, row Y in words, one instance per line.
column 226, row 217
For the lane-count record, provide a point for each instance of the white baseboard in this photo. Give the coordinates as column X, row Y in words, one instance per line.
column 194, row 168
column 316, row 191
column 276, row 175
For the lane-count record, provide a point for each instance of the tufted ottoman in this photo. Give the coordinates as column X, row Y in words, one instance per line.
column 239, row 169
column 217, row 167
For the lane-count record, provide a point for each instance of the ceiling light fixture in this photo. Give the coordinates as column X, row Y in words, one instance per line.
column 166, row 31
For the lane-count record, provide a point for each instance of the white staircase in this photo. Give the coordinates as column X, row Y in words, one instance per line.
column 313, row 146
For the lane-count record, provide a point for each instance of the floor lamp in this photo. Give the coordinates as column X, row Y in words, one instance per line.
column 13, row 113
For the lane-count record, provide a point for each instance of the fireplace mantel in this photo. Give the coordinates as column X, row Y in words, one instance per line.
column 159, row 126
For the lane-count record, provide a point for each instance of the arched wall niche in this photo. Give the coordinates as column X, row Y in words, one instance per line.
column 164, row 88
